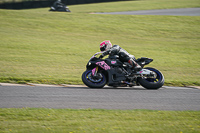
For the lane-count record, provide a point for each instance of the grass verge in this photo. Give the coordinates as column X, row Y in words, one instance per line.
column 95, row 120
column 53, row 47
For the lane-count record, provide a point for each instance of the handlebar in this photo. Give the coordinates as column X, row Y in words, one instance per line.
column 95, row 54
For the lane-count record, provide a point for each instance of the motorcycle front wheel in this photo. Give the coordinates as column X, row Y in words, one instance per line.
column 93, row 82
column 152, row 83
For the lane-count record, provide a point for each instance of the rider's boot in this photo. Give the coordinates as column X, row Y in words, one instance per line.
column 135, row 66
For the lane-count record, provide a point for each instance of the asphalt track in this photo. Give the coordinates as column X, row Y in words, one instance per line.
column 172, row 12
column 82, row 97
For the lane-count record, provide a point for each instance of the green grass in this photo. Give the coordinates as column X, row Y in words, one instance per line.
column 33, row 120
column 47, row 47
column 134, row 5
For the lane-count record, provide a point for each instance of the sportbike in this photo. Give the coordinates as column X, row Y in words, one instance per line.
column 112, row 72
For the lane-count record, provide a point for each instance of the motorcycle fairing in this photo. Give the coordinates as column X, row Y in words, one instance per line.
column 103, row 65
column 114, row 77
column 144, row 61
column 113, row 62
column 92, row 63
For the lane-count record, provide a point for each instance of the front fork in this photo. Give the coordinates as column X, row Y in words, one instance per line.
column 94, row 71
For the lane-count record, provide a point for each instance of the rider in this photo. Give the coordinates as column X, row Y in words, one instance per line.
column 57, row 4
column 107, row 48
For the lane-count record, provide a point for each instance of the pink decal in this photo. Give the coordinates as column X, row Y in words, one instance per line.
column 93, row 71
column 103, row 65
column 141, row 71
column 113, row 62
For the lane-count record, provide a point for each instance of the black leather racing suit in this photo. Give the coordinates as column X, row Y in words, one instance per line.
column 124, row 56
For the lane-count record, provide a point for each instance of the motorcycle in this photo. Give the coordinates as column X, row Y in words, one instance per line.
column 113, row 72
column 59, row 7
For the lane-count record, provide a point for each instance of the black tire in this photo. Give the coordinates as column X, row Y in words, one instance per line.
column 150, row 83
column 93, row 83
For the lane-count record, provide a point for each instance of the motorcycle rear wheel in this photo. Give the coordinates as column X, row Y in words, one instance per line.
column 88, row 80
column 152, row 83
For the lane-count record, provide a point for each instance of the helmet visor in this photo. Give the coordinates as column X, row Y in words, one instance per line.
column 102, row 48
